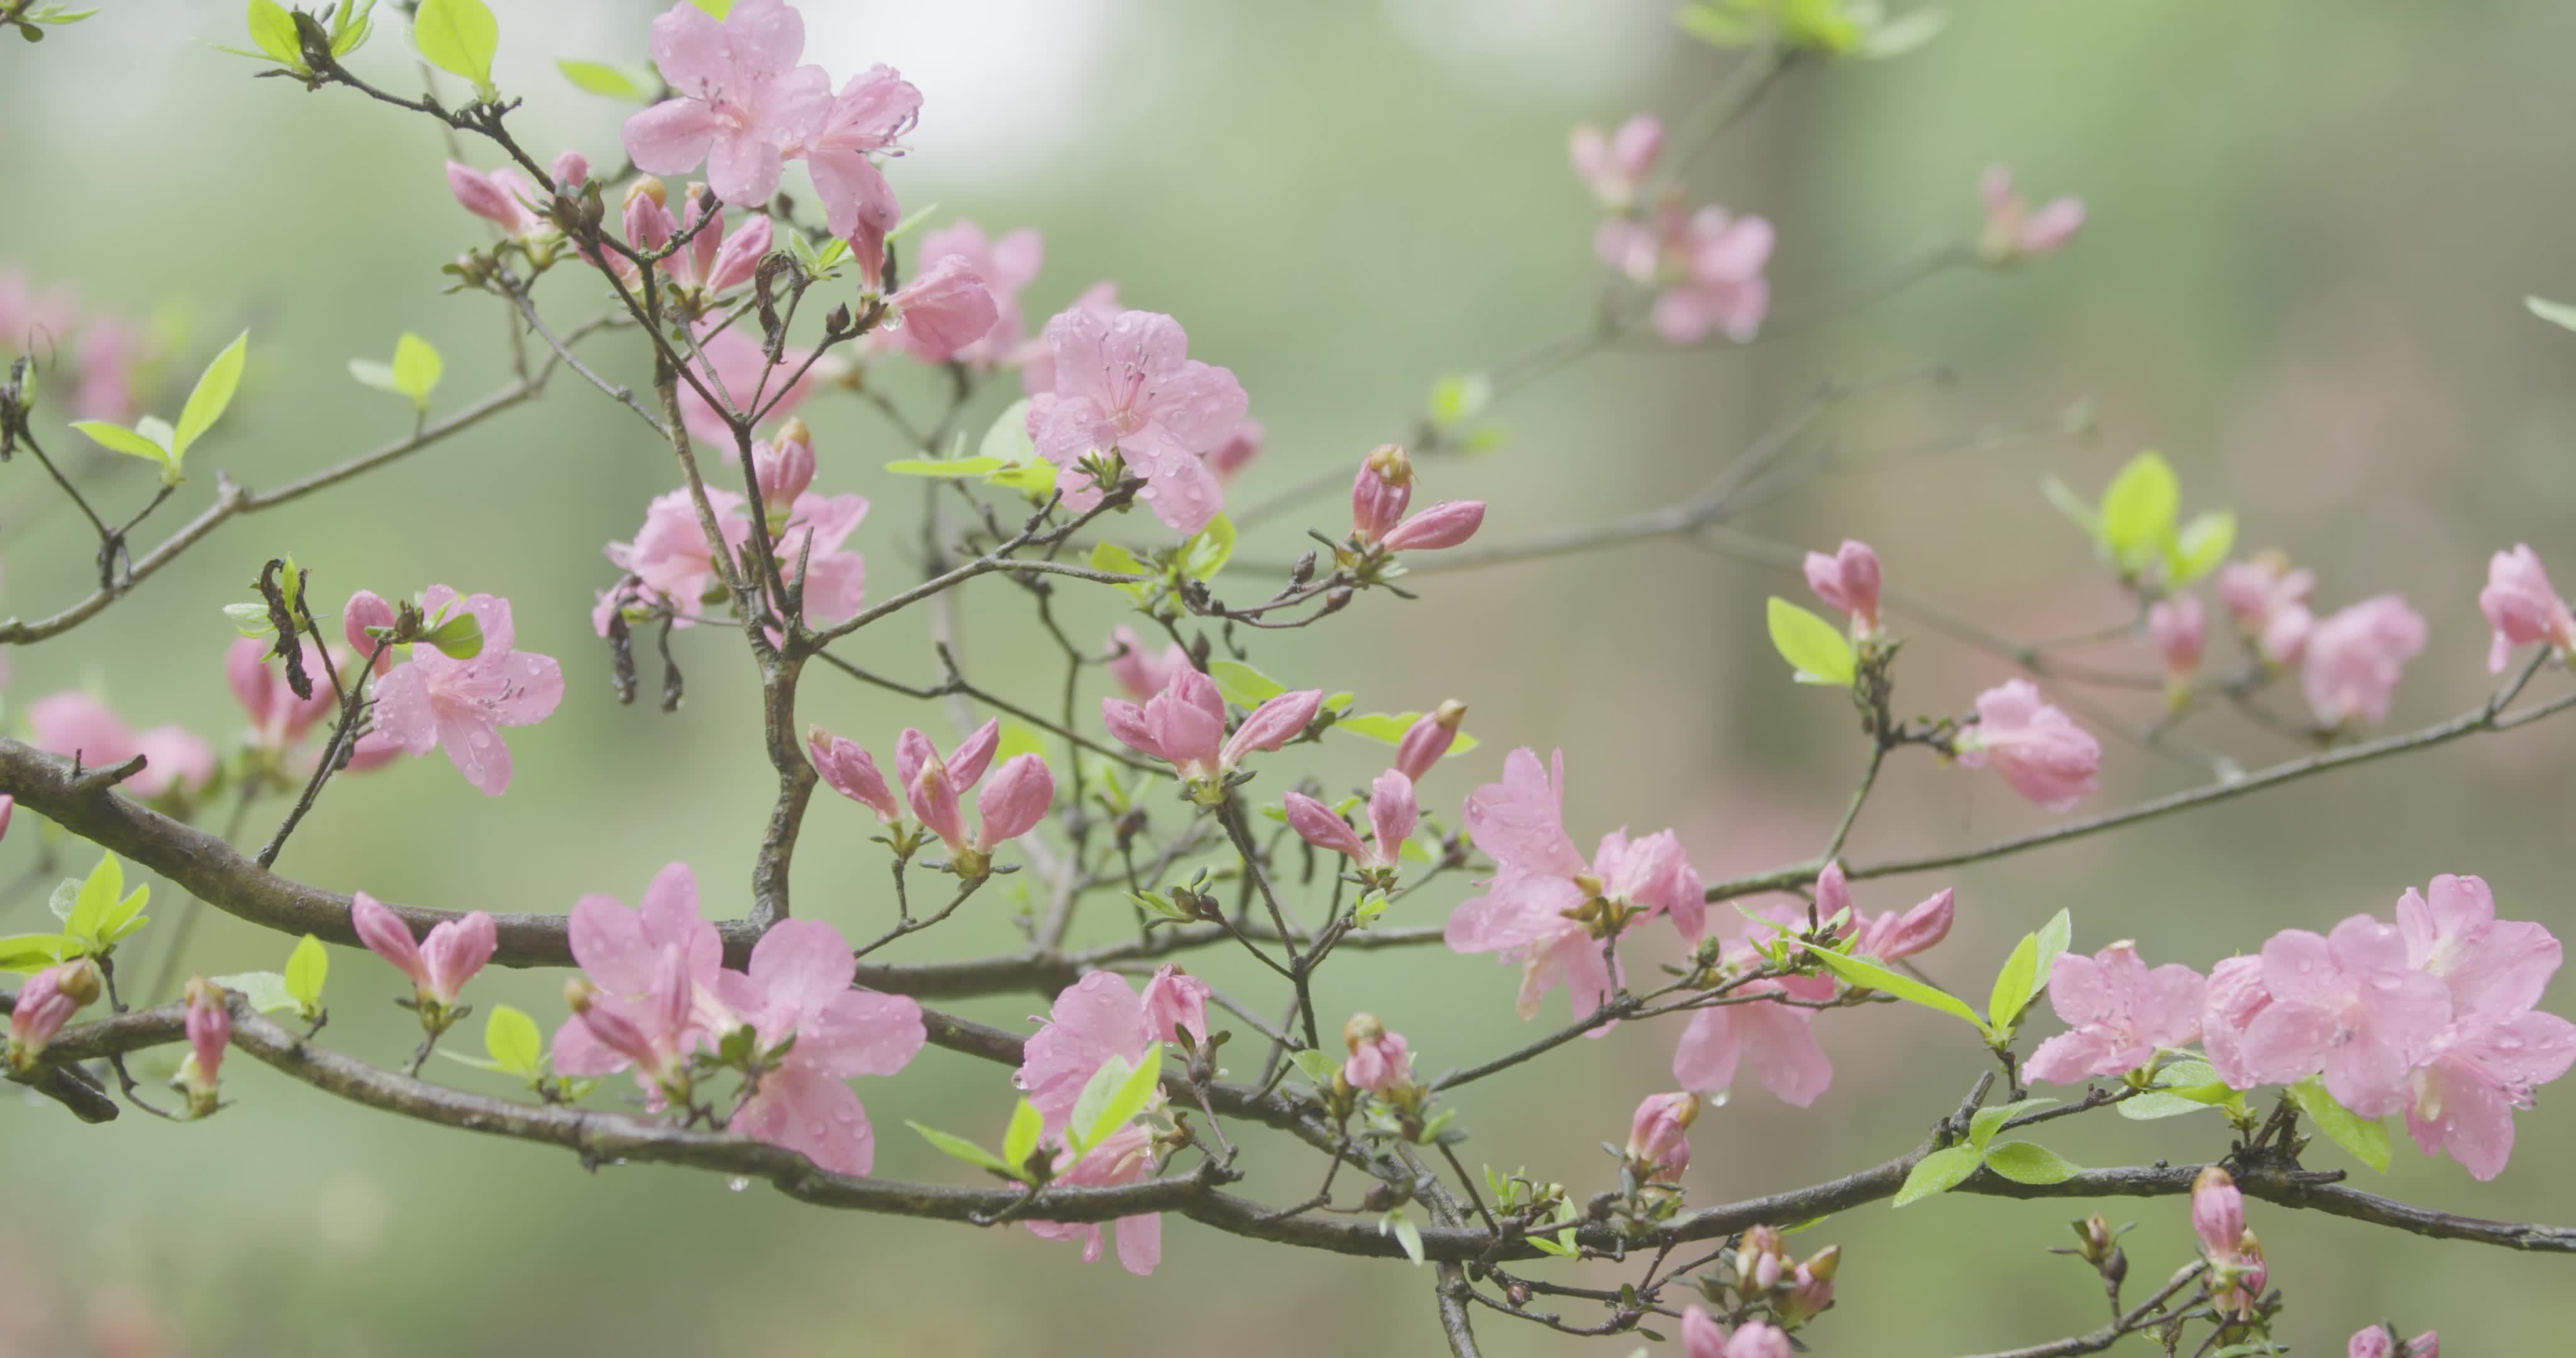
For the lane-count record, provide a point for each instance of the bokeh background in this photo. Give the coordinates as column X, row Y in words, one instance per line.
column 2312, row 222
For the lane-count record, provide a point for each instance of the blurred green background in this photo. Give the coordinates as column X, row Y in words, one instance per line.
column 2312, row 222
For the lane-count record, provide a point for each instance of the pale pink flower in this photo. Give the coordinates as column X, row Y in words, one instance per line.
column 943, row 310
column 1125, row 1156
column 813, row 553
column 2380, row 1342
column 1006, row 265
column 1392, row 815
column 738, row 370
column 2235, row 995
column 8, row 805
column 1237, row 452
column 626, row 955
column 798, row 985
column 670, row 558
column 439, row 965
column 1705, row 266
column 2176, row 627
column 1013, row 801
column 2237, row 1272
column 743, row 100
column 1095, row 1019
column 1774, row 1037
column 2356, row 657
column 1379, row 1059
column 503, row 197
column 848, row 770
column 712, row 261
column 1429, row 738
column 784, row 468
column 111, row 353
column 1175, row 1002
column 460, row 705
column 866, row 119
column 2523, row 607
column 569, row 171
column 2039, row 750
column 1037, row 359
column 77, row 724
column 277, row 717
column 1009, row 806
column 2015, row 232
column 2255, row 591
column 1703, row 1337
column 2120, row 1013
column 2496, row 1049
column 1127, row 383
column 1849, row 581
column 1380, row 490
column 33, row 321
column 1659, row 1136
column 366, row 609
column 1445, row 524
column 44, row 1004
column 1892, row 934
column 1614, row 167
column 1142, row 675
column 1184, row 725
column 2347, row 1005
column 209, row 1027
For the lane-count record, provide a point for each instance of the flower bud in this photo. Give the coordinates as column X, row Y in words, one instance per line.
column 570, row 171
column 7, row 805
column 366, row 609
column 1379, row 492
column 1833, row 892
column 43, row 1005
column 849, row 771
column 2375, row 1342
column 934, row 802
column 1446, row 524
column 2177, row 626
column 1658, row 1136
column 387, row 936
column 646, row 186
column 2217, row 1212
column 1428, row 739
column 785, row 467
column 1849, row 581
column 1316, row 824
column 209, row 1027
column 479, row 194
column 1379, row 1060
column 1176, row 1002
column 455, row 950
column 1013, row 800
column 1393, row 813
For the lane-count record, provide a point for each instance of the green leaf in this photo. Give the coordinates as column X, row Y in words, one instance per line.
column 1018, row 738
column 514, row 1042
column 458, row 638
column 2556, row 313
column 1898, row 36
column 2028, row 1162
column 2138, row 507
column 1871, row 976
column 1022, row 1138
column 99, row 893
column 35, row 952
column 1209, row 549
column 1406, row 1233
column 2181, row 1087
column 953, row 466
column 1243, row 685
column 1102, row 1087
column 2072, row 506
column 116, row 438
column 417, row 368
column 1389, row 727
column 592, row 77
column 1034, row 478
column 1988, row 1121
column 1815, row 648
column 458, row 37
column 2054, row 938
column 1109, row 556
column 1318, row 1067
column 1938, row 1172
column 273, row 29
column 213, row 393
column 960, row 1148
column 718, row 8
column 2013, row 984
column 1006, row 439
column 1459, row 397
column 2366, row 1139
column 306, row 969
column 371, row 373
column 1129, row 1098
column 2202, row 544
column 266, row 990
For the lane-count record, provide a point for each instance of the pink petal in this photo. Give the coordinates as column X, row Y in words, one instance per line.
column 671, row 137
column 802, row 965
column 806, row 1110
column 474, row 748
column 1140, row 1243
column 860, row 1032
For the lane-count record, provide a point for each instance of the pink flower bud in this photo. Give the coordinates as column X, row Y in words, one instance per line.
column 477, row 193
column 1238, row 450
column 1184, row 725
column 1848, row 580
column 2523, row 607
column 739, row 258
column 387, row 936
column 570, row 171
column 454, row 951
column 1659, row 1136
column 2217, row 1213
column 209, row 1027
column 2177, row 627
column 1702, row 1336
column 1141, row 675
column 2375, row 1342
column 1379, row 1060
column 966, row 763
column 607, row 1021
column 1615, row 167
column 246, row 672
column 649, row 224
column 1392, row 815
column 1316, row 824
column 848, row 770
column 934, row 803
column 2425, row 1345
column 1271, row 725
column 1891, row 935
column 1759, row 1339
column 43, row 1005
column 1428, row 739
column 1445, row 524
column 2356, row 658
column 785, row 467
column 2039, row 751
column 1380, row 490
column 1176, row 1002
column 946, row 308
column 366, row 609
column 1833, row 892
column 1014, row 801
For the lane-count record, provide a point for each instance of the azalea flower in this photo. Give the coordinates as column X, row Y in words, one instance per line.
column 2176, row 627
column 671, row 562
column 2237, row 1273
column 278, row 718
column 1125, row 1156
column 1127, row 383
column 1614, row 167
column 1176, row 1002
column 943, row 310
column 738, row 369
column 798, row 985
column 77, row 724
column 2355, row 658
column 2015, row 232
column 1184, row 725
column 1659, row 1136
column 438, row 965
column 503, row 197
column 866, row 119
column 1006, row 264
column 2497, row 1049
column 434, row 701
column 1705, row 266
column 1703, row 1337
column 1037, row 360
column 623, row 954
column 1892, row 934
column 2039, row 750
column 2523, row 607
column 2121, row 1014
column 1848, row 580
column 743, row 99
column 1142, row 675
column 1392, row 815
column 1094, row 1020
column 1379, row 1060
column 2347, row 1005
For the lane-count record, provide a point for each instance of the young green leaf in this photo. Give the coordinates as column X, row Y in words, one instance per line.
column 460, row 637
column 266, row 990
column 1094, row 1100
column 2200, row 547
column 2054, row 939
column 2366, row 1139
column 1022, row 1138
column 2138, row 507
column 1129, row 1098
column 1318, row 1067
column 2013, row 984
column 2028, row 1162
column 1406, row 1234
column 1243, row 685
column 213, row 392
column 958, row 1147
column 1867, row 975
column 955, row 466
column 98, row 895
column 459, row 37
column 1814, row 648
column 1988, row 1121
column 1938, row 1172
column 116, row 438
column 2556, row 313
column 514, row 1042
column 35, row 952
column 1389, row 728
column 1034, row 478
column 2181, row 1087
column 1460, row 397
column 1209, row 549
column 306, row 969
column 417, row 368
column 1006, row 439
column 592, row 77
column 273, row 29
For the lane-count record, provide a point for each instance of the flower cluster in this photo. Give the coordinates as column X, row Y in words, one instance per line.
column 1184, row 726
column 109, row 357
column 1703, row 268
column 1012, row 803
column 436, row 700
column 672, row 574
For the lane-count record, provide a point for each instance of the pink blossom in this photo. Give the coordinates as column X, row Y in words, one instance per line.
column 1127, row 383
column 111, row 355
column 1380, row 490
column 2039, row 750
column 77, row 724
column 712, row 262
column 1013, row 801
column 1175, row 1002
column 798, row 985
column 1849, row 581
column 2176, row 627
column 1706, row 266
column 2235, row 995
column 569, row 171
column 209, row 1027
column 1615, row 167
column 1237, row 452
column 44, row 1004
column 943, row 310
column 1775, row 1037
column 1009, row 806
column 2355, row 658
column 784, row 468
column 503, row 197
column 8, row 805
column 1184, row 725
column 625, row 954
column 1659, row 1136
column 1006, row 265
column 2013, row 231
column 2496, row 1049
column 439, row 965
column 1445, row 524
column 1429, row 738
column 2381, row 1342
column 2120, row 1013
column 1125, row 1156
column 1141, row 675
column 459, row 705
column 743, row 101
column 1703, row 1337
column 2523, row 607
column 670, row 558
column 1037, row 359
column 848, row 770
column 1392, row 815
column 2269, row 602
column 737, row 369
column 31, row 321
column 2237, row 1273
column 1379, row 1060
column 278, row 718
column 866, row 119
column 368, row 609
column 1894, row 935
column 2348, row 1005
column 1095, row 1019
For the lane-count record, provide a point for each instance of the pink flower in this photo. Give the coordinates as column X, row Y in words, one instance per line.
column 1892, row 935
column 1013, row 802
column 1184, row 725
column 1706, row 266
column 44, row 1004
column 711, row 262
column 570, row 171
column 1445, row 524
column 1095, row 1019
column 459, row 705
column 2234, row 997
column 1125, row 1156
column 31, row 321
column 1615, row 167
column 625, row 954
column 1392, row 816
column 2355, row 658
column 2121, row 1014
column 278, row 718
column 1380, row 490
column 8, row 805
column 2236, row 1269
column 743, row 100
column 1006, row 265
column 502, row 197
column 1775, row 1037
column 671, row 560
column 111, row 355
column 2014, row 232
column 2177, row 627
column 798, row 985
column 2523, row 607
column 1175, row 1002
column 367, row 609
column 2039, row 751
column 867, row 118
column 1142, row 676
column 1379, row 1060
column 1009, row 806
column 1429, row 738
column 1703, row 1337
column 1237, row 452
column 2496, row 1050
column 209, row 1026
column 2347, row 1004
column 1037, row 360
column 943, row 310
column 74, row 723
column 2381, row 1342
column 2269, row 602
column 1659, row 1137
column 1849, row 581
column 738, row 369
column 849, row 771
column 440, row 965
column 1127, row 383
column 784, row 466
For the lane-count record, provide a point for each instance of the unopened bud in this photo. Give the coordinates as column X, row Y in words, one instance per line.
column 570, row 169
column 577, row 993
column 646, row 187
column 1380, row 492
column 80, row 982
column 1363, row 1028
column 837, row 321
column 784, row 466
column 1303, row 570
column 1428, row 739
